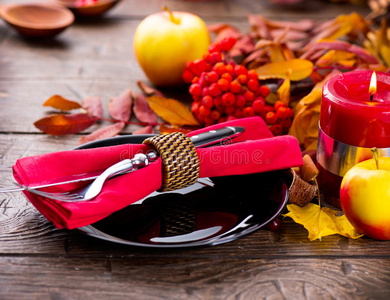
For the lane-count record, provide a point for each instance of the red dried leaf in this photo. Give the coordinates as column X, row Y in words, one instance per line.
column 259, row 26
column 93, row 106
column 59, row 102
column 144, row 130
column 320, row 47
column 302, row 25
column 244, row 45
column 103, row 133
column 61, row 124
column 288, row 35
column 142, row 110
column 120, row 106
column 149, row 91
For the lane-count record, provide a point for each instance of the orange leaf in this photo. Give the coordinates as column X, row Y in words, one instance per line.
column 172, row 111
column 61, row 124
column 300, row 69
column 59, row 102
column 149, row 91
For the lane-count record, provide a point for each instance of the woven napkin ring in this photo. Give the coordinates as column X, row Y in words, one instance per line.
column 179, row 159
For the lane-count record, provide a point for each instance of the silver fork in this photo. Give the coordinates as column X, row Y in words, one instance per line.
column 91, row 190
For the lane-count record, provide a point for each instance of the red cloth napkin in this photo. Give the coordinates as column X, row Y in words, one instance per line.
column 256, row 150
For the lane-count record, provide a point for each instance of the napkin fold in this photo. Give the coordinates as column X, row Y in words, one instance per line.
column 256, row 150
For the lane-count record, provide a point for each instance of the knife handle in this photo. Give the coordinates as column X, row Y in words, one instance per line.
column 216, row 136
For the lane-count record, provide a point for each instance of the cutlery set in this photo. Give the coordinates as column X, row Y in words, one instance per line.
column 140, row 160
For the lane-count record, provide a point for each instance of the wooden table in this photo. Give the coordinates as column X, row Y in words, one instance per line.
column 39, row 261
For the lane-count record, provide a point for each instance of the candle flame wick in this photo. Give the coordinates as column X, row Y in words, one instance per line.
column 372, row 88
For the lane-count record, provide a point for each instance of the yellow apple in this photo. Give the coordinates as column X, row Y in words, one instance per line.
column 165, row 41
column 365, row 197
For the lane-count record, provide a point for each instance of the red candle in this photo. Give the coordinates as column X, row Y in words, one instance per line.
column 353, row 119
column 348, row 115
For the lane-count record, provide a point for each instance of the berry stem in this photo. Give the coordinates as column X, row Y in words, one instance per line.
column 171, row 16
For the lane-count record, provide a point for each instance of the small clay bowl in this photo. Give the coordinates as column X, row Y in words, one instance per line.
column 37, row 20
column 91, row 10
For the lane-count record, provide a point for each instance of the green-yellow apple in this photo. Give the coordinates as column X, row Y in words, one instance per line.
column 165, row 41
column 365, row 197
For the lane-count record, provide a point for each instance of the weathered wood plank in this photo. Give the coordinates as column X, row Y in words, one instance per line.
column 215, row 9
column 182, row 278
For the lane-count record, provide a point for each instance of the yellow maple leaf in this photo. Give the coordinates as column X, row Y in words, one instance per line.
column 321, row 221
column 344, row 58
column 172, row 111
column 350, row 24
column 284, row 90
column 299, row 68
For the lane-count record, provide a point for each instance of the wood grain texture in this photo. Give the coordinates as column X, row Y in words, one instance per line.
column 183, row 278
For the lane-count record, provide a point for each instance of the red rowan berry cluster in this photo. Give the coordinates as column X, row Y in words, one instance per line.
column 223, row 90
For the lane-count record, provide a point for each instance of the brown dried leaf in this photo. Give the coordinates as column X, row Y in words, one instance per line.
column 61, row 103
column 149, row 91
column 61, row 124
column 172, row 111
column 93, row 106
column 308, row 171
column 142, row 110
column 102, row 133
column 120, row 106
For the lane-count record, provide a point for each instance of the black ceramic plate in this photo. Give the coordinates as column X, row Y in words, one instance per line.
column 210, row 212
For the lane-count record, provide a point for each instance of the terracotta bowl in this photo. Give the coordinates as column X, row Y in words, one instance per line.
column 88, row 11
column 37, row 20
